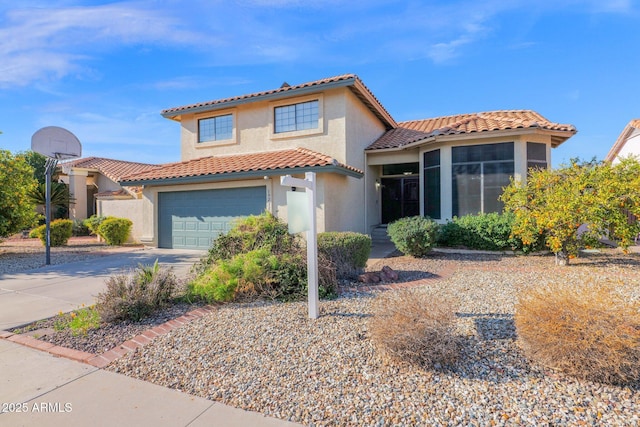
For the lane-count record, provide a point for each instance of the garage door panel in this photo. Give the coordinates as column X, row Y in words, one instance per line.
column 193, row 219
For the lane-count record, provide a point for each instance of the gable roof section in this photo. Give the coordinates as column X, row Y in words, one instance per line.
column 351, row 81
column 112, row 169
column 416, row 131
column 241, row 166
column 632, row 126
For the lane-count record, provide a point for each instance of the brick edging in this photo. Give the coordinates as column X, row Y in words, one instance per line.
column 104, row 359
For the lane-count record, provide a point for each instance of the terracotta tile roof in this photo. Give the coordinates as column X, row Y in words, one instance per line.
column 417, row 130
column 285, row 161
column 113, row 169
column 628, row 130
column 115, row 194
column 350, row 80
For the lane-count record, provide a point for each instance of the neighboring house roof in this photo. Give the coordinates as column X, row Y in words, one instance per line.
column 351, row 81
column 112, row 169
column 242, row 166
column 415, row 131
column 631, row 127
column 116, row 194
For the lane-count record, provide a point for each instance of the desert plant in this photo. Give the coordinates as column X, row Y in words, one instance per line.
column 60, row 232
column 78, row 321
column 79, row 228
column 414, row 235
column 348, row 251
column 587, row 330
column 136, row 295
column 93, row 222
column 257, row 258
column 115, row 231
column 416, row 328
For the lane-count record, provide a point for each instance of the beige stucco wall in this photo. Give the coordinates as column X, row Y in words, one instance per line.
column 630, row 147
column 253, row 124
column 131, row 209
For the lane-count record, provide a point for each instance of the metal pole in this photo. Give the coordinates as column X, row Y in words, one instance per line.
column 312, row 249
column 50, row 166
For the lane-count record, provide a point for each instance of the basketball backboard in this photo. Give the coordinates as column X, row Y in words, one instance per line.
column 56, row 143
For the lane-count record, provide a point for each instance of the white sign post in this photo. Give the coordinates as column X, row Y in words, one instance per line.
column 309, row 183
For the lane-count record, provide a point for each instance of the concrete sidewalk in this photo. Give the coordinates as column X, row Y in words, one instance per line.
column 37, row 388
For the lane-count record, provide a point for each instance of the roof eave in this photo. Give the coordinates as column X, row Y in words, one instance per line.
column 175, row 115
column 231, row 176
column 557, row 137
column 620, row 142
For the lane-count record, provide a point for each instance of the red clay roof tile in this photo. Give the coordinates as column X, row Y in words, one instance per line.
column 113, row 169
column 416, row 130
column 238, row 163
column 351, row 80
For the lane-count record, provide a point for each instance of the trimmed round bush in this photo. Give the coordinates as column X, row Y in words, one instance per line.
column 60, row 232
column 93, row 223
column 416, row 328
column 115, row 231
column 586, row 330
column 414, row 235
column 348, row 251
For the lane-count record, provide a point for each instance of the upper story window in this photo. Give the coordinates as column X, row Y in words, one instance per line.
column 296, row 117
column 215, row 128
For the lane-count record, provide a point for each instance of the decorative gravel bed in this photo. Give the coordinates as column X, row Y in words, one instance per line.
column 270, row 358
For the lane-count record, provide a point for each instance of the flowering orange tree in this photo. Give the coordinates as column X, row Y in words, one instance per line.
column 576, row 205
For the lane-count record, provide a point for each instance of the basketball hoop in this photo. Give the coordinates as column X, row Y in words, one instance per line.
column 55, row 143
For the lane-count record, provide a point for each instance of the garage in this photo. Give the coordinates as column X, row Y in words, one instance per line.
column 193, row 219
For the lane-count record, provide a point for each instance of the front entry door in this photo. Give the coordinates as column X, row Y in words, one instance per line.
column 400, row 198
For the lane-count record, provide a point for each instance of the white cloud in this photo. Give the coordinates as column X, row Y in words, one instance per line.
column 42, row 43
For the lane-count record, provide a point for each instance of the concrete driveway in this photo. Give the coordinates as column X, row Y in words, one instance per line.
column 44, row 292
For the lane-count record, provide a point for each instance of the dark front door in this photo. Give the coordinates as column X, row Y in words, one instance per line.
column 399, row 198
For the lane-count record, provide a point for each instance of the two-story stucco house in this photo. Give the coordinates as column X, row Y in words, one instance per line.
column 370, row 169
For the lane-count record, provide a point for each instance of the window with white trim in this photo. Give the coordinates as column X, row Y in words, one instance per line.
column 294, row 117
column 215, row 128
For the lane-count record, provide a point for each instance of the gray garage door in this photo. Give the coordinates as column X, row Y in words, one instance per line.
column 193, row 219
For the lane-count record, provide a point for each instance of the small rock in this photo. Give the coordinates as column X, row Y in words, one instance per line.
column 388, row 274
column 369, row 277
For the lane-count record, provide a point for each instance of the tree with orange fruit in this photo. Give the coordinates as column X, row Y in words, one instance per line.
column 577, row 205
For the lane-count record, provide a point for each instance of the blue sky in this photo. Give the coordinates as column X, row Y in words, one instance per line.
column 105, row 70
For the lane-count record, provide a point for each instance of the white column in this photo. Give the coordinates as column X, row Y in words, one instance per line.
column 78, row 192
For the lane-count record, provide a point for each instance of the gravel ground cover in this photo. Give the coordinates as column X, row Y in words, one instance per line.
column 270, row 358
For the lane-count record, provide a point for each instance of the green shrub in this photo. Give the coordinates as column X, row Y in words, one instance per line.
column 586, row 329
column 131, row 297
column 258, row 258
column 78, row 321
column 60, row 232
column 414, row 235
column 347, row 251
column 416, row 328
column 490, row 232
column 115, row 231
column 93, row 222
column 79, row 228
